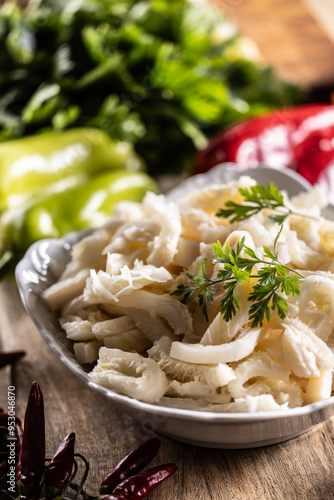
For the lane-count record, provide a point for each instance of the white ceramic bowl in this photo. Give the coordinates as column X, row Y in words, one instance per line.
column 45, row 260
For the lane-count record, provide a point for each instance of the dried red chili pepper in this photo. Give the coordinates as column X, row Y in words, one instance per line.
column 123, row 482
column 32, row 455
column 10, row 358
column 134, row 462
column 142, row 484
column 60, row 467
column 301, row 138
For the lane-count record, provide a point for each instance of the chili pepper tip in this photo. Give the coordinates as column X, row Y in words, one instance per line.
column 60, row 467
column 33, row 443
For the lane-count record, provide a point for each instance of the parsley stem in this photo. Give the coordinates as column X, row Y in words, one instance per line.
column 291, row 212
column 269, row 263
column 292, row 270
column 214, row 282
column 257, row 198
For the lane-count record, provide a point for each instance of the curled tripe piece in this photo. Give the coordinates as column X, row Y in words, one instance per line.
column 130, row 374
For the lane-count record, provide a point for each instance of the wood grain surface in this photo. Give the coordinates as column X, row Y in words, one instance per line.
column 289, row 36
column 302, row 468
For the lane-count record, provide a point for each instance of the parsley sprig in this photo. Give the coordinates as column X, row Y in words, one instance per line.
column 238, row 264
column 200, row 284
column 257, row 198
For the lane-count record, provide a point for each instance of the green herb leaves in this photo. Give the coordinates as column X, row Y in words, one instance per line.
column 271, row 278
column 257, row 198
column 264, row 296
column 165, row 76
column 200, row 284
column 236, row 271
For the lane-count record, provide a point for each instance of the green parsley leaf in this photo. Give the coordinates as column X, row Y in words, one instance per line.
column 271, row 278
column 257, row 198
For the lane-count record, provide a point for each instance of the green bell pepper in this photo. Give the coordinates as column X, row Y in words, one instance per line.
column 34, row 166
column 55, row 183
column 78, row 208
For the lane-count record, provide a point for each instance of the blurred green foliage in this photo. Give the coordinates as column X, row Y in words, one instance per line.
column 165, row 75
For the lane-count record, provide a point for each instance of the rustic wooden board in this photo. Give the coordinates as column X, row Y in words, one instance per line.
column 289, row 36
column 301, row 468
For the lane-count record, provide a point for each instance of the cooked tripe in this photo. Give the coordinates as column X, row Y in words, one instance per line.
column 114, row 301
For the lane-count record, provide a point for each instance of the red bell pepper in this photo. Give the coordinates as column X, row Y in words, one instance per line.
column 301, row 138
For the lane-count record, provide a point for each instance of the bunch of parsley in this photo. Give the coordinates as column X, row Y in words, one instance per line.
column 165, row 75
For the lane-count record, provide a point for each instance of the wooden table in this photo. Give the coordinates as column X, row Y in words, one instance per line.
column 302, row 468
column 295, row 36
